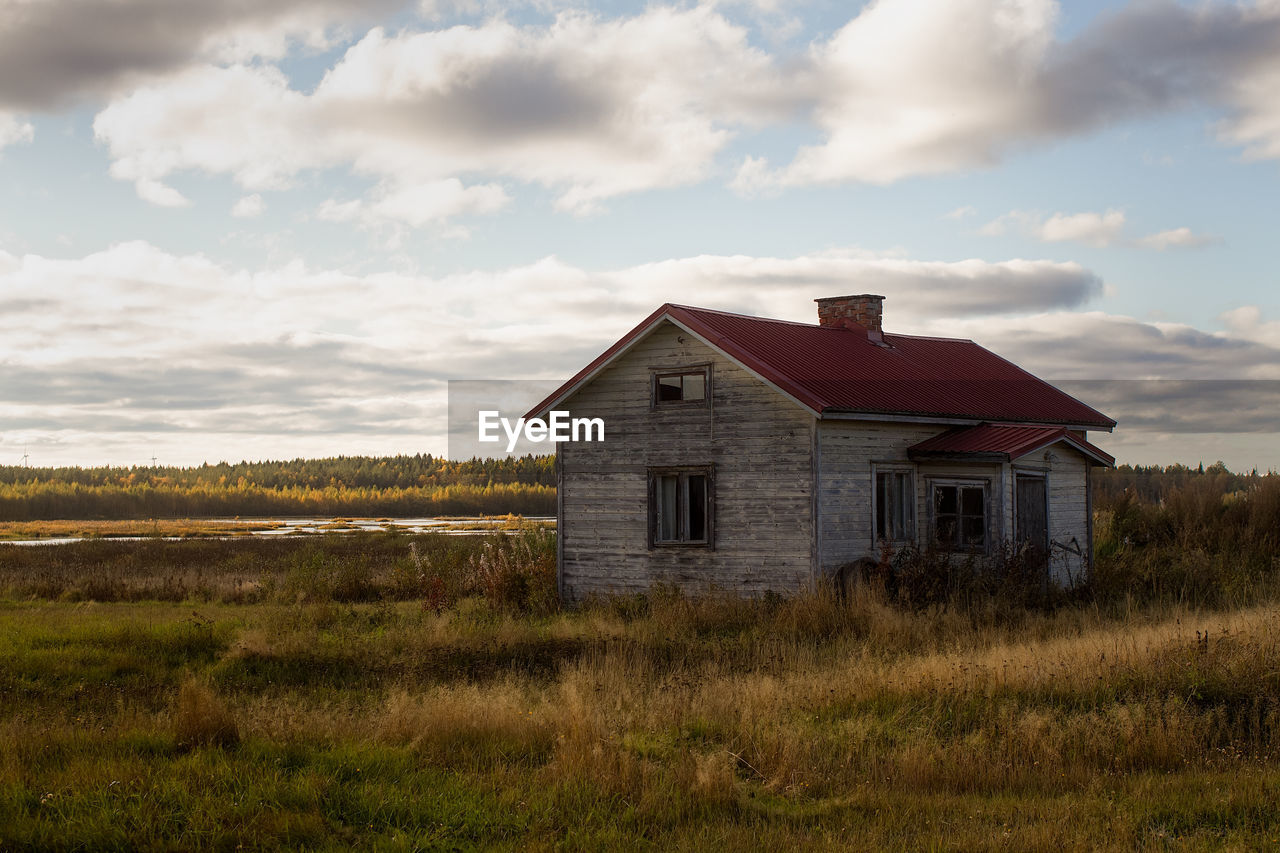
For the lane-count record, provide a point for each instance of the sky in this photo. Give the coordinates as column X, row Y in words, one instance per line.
column 264, row 229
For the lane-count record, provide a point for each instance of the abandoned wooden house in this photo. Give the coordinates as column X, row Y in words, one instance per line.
column 747, row 454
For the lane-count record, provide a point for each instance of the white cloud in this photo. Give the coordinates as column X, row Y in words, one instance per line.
column 963, row 212
column 248, row 207
column 53, row 52
column 418, row 205
column 591, row 108
column 132, row 348
column 14, row 130
column 1095, row 345
column 1174, row 238
column 921, row 86
column 1093, row 229
column 918, row 87
column 239, row 120
column 785, row 287
column 594, row 107
column 192, row 301
column 1247, row 322
column 136, row 341
column 1089, row 228
column 160, row 194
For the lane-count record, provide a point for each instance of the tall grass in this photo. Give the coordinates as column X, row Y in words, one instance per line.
column 515, row 570
column 666, row 721
column 1197, row 542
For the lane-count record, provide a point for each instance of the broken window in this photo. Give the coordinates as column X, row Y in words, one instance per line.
column 895, row 506
column 689, row 386
column 960, row 516
column 680, row 506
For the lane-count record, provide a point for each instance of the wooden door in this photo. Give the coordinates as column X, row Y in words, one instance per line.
column 1032, row 512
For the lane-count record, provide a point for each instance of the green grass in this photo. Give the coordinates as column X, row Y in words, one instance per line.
column 307, row 717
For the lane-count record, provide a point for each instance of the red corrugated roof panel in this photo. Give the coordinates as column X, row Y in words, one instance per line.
column 1006, row 441
column 842, row 370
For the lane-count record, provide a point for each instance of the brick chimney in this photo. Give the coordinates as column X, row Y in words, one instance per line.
column 865, row 309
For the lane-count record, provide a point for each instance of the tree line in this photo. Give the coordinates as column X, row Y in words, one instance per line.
column 401, row 486
column 1153, row 483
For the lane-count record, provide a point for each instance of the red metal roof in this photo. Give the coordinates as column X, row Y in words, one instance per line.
column 841, row 370
column 1006, row 441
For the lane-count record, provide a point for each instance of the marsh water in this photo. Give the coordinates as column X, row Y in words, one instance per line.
column 316, row 526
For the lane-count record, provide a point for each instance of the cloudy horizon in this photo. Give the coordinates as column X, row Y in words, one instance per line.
column 250, row 230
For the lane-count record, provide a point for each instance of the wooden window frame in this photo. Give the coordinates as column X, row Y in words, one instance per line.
column 683, row 472
column 878, row 468
column 657, row 373
column 988, row 517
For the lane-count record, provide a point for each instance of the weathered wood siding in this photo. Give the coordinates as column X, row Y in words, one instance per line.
column 848, row 454
column 759, row 442
column 1066, row 471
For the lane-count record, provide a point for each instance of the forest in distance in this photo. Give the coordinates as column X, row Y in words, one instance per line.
column 362, row 486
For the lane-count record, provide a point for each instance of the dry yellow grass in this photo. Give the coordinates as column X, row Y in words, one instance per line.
column 805, row 724
column 153, row 527
column 970, row 711
column 507, row 723
column 201, row 718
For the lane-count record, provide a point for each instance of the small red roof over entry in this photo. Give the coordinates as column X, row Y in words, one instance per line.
column 844, row 370
column 1003, row 441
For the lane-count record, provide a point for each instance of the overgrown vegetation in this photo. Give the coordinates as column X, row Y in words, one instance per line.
column 1207, row 537
column 417, row 692
column 659, row 721
column 1197, row 537
column 404, row 486
column 514, row 570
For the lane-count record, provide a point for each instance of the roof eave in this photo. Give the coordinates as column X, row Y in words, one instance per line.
column 953, row 420
column 959, row 455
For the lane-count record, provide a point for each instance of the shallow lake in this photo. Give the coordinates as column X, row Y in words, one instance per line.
column 315, row 526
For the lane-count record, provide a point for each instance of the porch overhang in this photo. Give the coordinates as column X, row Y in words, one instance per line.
column 995, row 442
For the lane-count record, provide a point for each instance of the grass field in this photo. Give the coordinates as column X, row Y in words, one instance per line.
column 332, row 694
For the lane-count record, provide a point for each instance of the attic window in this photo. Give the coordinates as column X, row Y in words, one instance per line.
column 682, row 386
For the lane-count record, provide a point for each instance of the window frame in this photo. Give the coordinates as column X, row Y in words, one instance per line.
column 659, row 373
column 910, row 535
column 682, row 472
column 958, row 483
